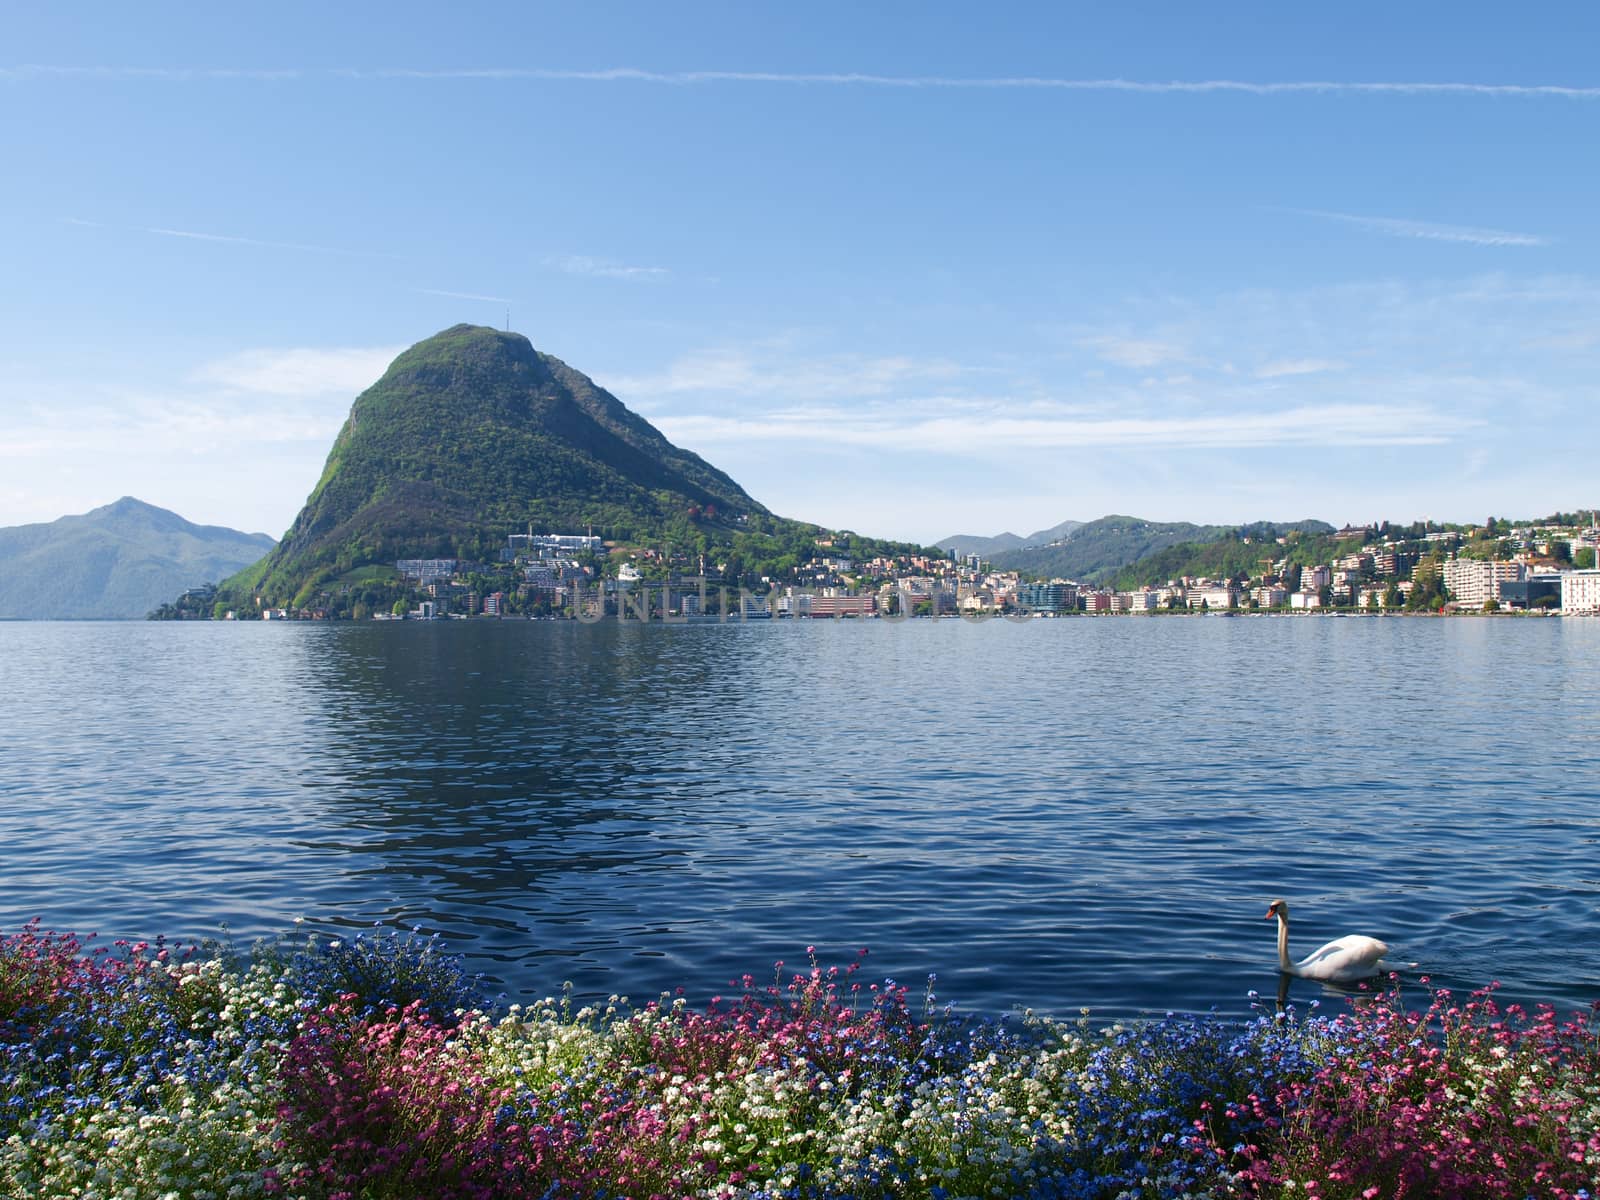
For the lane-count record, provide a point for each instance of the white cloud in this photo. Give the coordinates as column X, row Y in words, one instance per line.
column 1138, row 353
column 228, row 239
column 1297, row 366
column 299, row 372
column 773, row 368
column 905, row 428
column 1431, row 231
column 626, row 75
column 463, row 295
column 231, row 239
column 139, row 425
column 600, row 268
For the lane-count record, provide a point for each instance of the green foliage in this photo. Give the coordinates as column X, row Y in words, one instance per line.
column 1100, row 551
column 1427, row 586
column 1237, row 553
column 472, row 435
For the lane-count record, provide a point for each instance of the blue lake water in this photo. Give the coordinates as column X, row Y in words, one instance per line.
column 1053, row 814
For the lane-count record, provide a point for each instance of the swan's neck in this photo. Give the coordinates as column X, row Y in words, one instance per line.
column 1283, row 945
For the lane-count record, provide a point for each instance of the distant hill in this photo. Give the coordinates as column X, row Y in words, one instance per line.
column 119, row 561
column 473, row 434
column 965, row 543
column 1238, row 552
column 1095, row 551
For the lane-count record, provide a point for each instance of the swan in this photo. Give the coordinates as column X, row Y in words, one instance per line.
column 1341, row 960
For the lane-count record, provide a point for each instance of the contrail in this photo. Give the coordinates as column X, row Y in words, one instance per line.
column 29, row 71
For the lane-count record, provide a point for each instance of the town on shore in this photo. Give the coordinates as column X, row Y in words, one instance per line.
column 1499, row 567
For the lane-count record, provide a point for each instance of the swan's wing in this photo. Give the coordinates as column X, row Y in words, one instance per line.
column 1346, row 958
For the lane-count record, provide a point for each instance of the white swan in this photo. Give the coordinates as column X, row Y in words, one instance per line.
column 1342, row 960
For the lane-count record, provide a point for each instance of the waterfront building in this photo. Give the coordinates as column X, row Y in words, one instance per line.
column 841, row 606
column 1474, row 581
column 1213, row 597
column 1538, row 590
column 1580, row 592
column 1056, row 596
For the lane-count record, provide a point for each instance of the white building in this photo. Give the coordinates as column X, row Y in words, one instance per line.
column 1305, row 600
column 1313, row 578
column 1580, row 592
column 1213, row 598
column 1473, row 581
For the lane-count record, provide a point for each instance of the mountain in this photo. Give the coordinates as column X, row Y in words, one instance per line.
column 1238, row 552
column 473, row 434
column 1097, row 550
column 966, row 543
column 118, row 561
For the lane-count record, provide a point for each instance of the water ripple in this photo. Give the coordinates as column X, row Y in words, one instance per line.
column 1053, row 814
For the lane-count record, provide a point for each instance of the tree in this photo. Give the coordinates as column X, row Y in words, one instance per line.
column 399, row 608
column 1584, row 559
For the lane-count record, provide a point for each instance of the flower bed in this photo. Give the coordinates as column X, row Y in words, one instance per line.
column 369, row 1068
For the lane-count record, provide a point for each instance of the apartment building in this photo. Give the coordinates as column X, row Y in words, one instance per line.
column 1580, row 592
column 1474, row 581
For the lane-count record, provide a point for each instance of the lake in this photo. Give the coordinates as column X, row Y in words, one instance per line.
column 1054, row 814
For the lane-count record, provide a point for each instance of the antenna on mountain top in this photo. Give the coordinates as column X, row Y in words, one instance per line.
column 508, row 320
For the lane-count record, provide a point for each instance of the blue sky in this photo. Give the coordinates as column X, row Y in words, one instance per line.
column 911, row 269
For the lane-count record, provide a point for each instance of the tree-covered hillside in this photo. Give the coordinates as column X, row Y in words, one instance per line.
column 472, row 435
column 118, row 562
column 1096, row 551
column 1240, row 552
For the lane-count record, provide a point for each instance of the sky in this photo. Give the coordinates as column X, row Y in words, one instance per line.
column 912, row 269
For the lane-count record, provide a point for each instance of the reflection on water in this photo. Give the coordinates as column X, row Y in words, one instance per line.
column 1054, row 814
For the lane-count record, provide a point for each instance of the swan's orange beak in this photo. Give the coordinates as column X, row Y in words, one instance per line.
column 1271, row 912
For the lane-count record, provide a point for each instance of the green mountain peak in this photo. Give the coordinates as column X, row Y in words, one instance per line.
column 472, row 434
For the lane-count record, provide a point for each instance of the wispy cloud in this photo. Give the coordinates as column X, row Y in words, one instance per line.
column 904, row 428
column 463, row 295
column 299, row 372
column 35, row 71
column 1139, row 353
column 129, row 425
column 601, row 268
column 773, row 369
column 195, row 235
column 1429, row 230
column 235, row 240
column 31, row 71
column 1297, row 366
